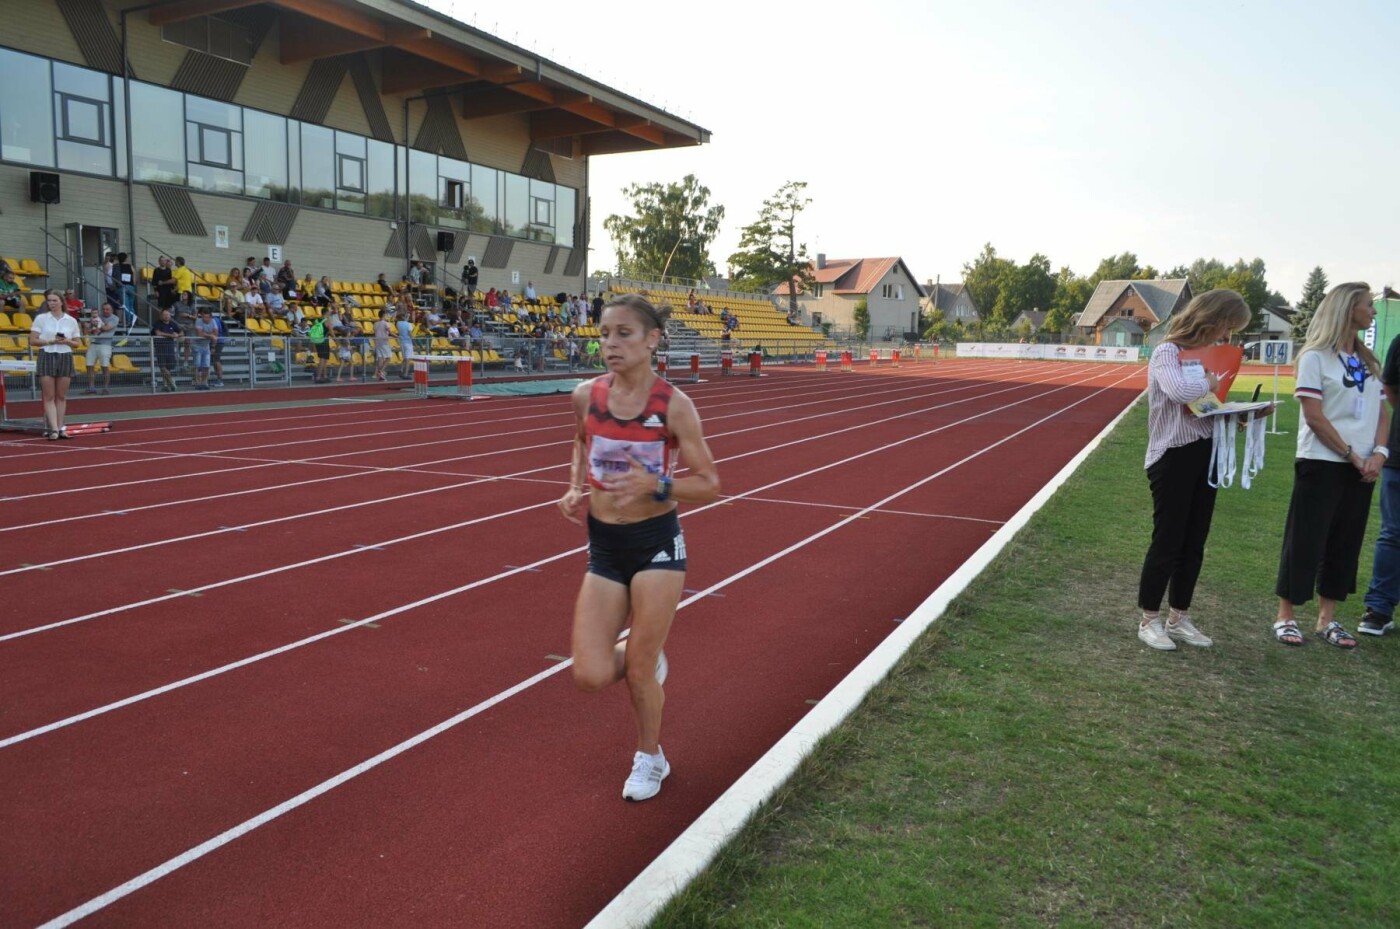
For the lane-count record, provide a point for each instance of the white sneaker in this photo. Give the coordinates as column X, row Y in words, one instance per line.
column 648, row 771
column 663, row 667
column 1184, row 631
column 1154, row 636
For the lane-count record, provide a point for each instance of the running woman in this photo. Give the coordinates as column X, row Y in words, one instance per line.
column 630, row 425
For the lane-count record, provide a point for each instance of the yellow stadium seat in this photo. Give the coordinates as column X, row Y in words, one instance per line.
column 32, row 267
column 22, row 320
column 122, row 362
column 6, row 325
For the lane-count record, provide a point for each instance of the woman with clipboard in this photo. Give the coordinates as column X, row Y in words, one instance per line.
column 1178, row 467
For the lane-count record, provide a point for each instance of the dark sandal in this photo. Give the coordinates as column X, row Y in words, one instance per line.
column 1288, row 633
column 1334, row 634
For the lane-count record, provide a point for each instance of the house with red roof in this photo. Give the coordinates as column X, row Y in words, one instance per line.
column 891, row 292
column 1122, row 312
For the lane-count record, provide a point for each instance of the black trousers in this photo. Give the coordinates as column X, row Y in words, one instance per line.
column 1322, row 537
column 1182, row 506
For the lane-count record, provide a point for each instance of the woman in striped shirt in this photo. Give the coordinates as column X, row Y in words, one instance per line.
column 1178, row 462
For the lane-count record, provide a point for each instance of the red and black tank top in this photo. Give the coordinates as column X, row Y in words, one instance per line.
column 613, row 443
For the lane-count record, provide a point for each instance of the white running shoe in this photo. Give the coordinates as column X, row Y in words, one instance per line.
column 1183, row 630
column 663, row 667
column 1154, row 636
column 648, row 771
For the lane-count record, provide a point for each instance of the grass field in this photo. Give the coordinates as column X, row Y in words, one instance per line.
column 1030, row 763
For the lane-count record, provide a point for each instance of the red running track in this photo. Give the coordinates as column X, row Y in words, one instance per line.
column 303, row 667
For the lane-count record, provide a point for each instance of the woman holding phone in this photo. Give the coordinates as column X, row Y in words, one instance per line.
column 53, row 335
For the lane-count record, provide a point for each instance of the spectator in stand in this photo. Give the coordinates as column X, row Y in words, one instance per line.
column 454, row 335
column 306, row 290
column 415, row 276
column 206, row 334
column 598, row 303
column 163, row 280
column 531, row 297
column 254, row 306
column 470, row 276
column 503, row 301
column 72, row 304
column 166, row 333
column 591, row 354
column 690, row 301
column 54, row 334
column 216, row 352
column 384, row 285
column 185, row 317
column 403, row 323
column 251, row 269
column 184, row 279
column 336, row 324
column 231, row 303
column 10, row 297
column 109, row 283
column 266, row 272
column 492, row 301
column 382, row 352
column 435, row 324
column 320, row 340
column 474, row 333
column 100, row 331
column 287, row 280
column 125, row 277
column 322, row 294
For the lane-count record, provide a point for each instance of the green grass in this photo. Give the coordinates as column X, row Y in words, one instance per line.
column 1030, row 763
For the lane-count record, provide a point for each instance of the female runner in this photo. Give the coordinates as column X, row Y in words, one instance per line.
column 630, row 423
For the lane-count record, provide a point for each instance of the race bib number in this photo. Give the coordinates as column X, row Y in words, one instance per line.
column 611, row 457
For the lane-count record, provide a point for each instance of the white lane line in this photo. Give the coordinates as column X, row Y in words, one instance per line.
column 199, row 851
column 205, row 675
column 851, row 506
column 520, row 474
column 694, row 849
column 314, row 513
column 328, row 460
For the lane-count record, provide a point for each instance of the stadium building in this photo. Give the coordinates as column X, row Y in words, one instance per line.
column 349, row 136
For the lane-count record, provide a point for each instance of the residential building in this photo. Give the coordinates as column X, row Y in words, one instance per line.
column 891, row 292
column 954, row 300
column 1122, row 312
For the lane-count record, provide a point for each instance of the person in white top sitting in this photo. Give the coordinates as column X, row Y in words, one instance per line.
column 54, row 334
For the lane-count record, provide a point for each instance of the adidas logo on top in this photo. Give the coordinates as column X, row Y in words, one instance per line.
column 652, row 422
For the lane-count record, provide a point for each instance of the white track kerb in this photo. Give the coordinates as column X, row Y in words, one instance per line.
column 693, row 850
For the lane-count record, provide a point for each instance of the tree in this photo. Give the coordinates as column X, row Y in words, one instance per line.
column 1072, row 295
column 769, row 253
column 937, row 327
column 1030, row 286
column 669, row 232
column 1314, row 289
column 1245, row 278
column 982, row 278
column 861, row 319
column 1122, row 267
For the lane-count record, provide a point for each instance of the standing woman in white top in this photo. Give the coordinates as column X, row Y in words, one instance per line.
column 54, row 334
column 1178, row 464
column 1341, row 450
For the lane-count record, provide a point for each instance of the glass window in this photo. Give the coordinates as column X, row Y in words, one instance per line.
column 482, row 210
column 26, row 115
column 454, row 183
column 214, row 145
column 517, row 205
column 565, row 200
column 82, row 102
column 423, row 186
column 541, row 211
column 119, row 124
column 157, row 144
column 379, row 179
column 350, row 172
column 294, row 160
column 317, row 166
column 264, row 155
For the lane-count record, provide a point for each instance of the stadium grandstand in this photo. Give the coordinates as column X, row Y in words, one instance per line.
column 373, row 145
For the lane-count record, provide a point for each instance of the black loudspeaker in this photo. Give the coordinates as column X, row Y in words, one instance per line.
column 43, row 187
column 446, row 240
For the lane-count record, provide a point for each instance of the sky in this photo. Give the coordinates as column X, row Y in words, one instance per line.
column 1079, row 129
